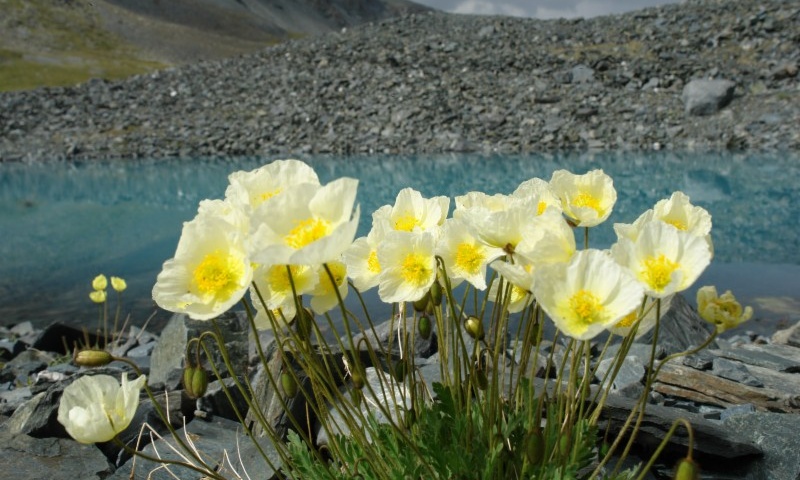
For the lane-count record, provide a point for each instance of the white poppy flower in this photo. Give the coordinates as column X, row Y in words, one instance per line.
column 588, row 199
column 95, row 408
column 586, row 295
column 409, row 266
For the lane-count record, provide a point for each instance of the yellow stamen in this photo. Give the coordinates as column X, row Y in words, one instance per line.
column 585, row 199
column 218, row 274
column 541, row 208
column 406, row 223
column 372, row 262
column 278, row 278
column 586, row 306
column 257, row 200
column 338, row 271
column 307, row 231
column 657, row 272
column 628, row 320
column 677, row 223
column 415, row 270
column 469, row 258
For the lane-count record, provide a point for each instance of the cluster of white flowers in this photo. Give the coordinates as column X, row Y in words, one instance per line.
column 281, row 230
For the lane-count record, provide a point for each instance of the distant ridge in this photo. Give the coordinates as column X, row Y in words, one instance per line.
column 46, row 42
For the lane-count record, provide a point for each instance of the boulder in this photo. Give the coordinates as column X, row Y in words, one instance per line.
column 706, row 97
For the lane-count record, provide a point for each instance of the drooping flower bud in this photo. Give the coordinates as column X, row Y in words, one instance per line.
column 425, row 327
column 357, row 377
column 289, row 384
column 400, row 370
column 422, row 304
column 474, row 327
column 686, row 469
column 195, row 381
column 534, row 447
column 100, row 282
column 92, row 357
column 436, row 294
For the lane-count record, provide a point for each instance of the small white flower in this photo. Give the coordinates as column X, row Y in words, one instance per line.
column 663, row 259
column 465, row 258
column 412, row 212
column 306, row 224
column 586, row 295
column 409, row 266
column 586, row 199
column 324, row 296
column 275, row 286
column 361, row 259
column 210, row 272
column 248, row 190
column 95, row 408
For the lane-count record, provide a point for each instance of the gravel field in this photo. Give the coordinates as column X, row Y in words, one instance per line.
column 439, row 82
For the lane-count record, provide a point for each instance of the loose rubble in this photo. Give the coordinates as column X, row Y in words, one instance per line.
column 740, row 396
column 698, row 75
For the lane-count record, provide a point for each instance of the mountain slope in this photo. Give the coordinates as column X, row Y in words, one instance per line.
column 44, row 42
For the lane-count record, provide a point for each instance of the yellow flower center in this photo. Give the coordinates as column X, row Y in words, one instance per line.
column 307, row 231
column 415, row 270
column 540, row 208
column 585, row 199
column 677, row 223
column 278, row 277
column 518, row 294
column 218, row 274
column 657, row 271
column 628, row 320
column 586, row 306
column 469, row 258
column 372, row 262
column 338, row 271
column 406, row 223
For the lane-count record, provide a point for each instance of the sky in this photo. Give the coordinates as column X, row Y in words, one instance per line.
column 542, row 8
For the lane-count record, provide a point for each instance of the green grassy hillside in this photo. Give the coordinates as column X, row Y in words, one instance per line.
column 61, row 42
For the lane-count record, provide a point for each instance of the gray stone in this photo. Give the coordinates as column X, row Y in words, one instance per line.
column 167, row 360
column 383, row 398
column 628, row 381
column 27, row 458
column 681, row 328
column 776, row 435
column 735, row 410
column 217, row 440
column 735, row 371
column 788, row 336
column 389, row 331
column 700, row 361
column 581, row 74
column 706, row 97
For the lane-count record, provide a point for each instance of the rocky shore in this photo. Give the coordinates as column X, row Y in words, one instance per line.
column 740, row 395
column 438, row 82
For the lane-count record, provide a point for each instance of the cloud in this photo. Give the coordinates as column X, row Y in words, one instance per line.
column 542, row 8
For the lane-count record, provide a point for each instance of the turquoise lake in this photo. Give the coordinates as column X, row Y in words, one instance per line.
column 63, row 223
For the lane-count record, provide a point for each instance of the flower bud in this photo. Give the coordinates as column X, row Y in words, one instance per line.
column 98, row 296
column 289, row 384
column 425, row 327
column 118, row 284
column 92, row 358
column 357, row 377
column 100, row 282
column 474, row 327
column 436, row 294
column 400, row 370
column 480, row 379
column 422, row 304
column 195, row 381
column 534, row 447
column 686, row 469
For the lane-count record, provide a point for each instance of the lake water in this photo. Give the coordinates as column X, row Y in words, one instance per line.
column 63, row 223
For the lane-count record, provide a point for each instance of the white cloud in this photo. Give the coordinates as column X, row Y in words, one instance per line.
column 542, row 8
